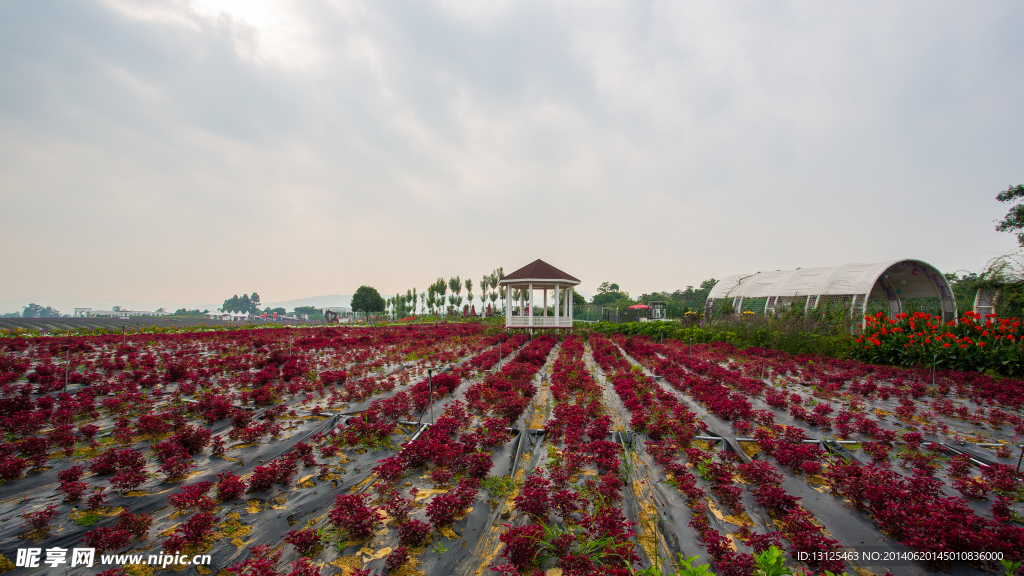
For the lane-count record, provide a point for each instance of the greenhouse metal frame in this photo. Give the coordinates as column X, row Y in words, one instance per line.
column 852, row 286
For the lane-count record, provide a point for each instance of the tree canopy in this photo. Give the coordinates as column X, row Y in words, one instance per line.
column 1014, row 220
column 34, row 310
column 578, row 301
column 367, row 299
column 245, row 304
column 313, row 312
column 608, row 295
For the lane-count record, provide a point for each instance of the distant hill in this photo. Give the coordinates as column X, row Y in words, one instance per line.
column 315, row 301
column 67, row 304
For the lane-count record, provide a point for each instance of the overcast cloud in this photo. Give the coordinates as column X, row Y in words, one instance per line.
column 186, row 151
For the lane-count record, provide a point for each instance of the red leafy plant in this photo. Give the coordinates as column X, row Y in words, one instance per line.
column 38, row 521
column 444, row 508
column 192, row 533
column 305, row 540
column 137, row 524
column 354, row 517
column 396, row 558
column 105, row 538
column 229, row 487
column 70, row 485
column 414, row 533
column 193, row 496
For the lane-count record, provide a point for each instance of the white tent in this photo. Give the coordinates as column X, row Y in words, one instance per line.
column 852, row 285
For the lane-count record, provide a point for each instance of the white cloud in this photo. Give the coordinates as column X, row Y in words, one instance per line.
column 209, row 148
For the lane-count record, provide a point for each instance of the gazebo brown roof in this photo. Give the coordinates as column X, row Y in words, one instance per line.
column 538, row 275
column 539, row 271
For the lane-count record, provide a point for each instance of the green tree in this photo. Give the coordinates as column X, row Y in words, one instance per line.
column 485, row 285
column 469, row 291
column 608, row 295
column 34, row 310
column 578, row 301
column 1014, row 220
column 455, row 284
column 313, row 312
column 367, row 299
column 237, row 304
column 440, row 287
column 495, row 278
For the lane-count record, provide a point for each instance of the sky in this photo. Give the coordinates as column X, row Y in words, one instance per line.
column 185, row 151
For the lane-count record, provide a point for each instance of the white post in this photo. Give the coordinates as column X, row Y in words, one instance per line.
column 566, row 306
column 508, row 305
column 570, row 298
column 545, row 303
column 558, row 309
column 530, row 304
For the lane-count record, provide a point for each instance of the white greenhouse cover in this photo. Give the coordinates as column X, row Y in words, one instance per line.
column 913, row 278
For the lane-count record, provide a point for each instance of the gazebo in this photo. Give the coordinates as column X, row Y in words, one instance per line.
column 538, row 275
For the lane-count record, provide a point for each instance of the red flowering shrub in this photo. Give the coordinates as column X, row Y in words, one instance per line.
column 193, row 495
column 97, row 500
column 396, row 558
column 38, row 521
column 305, row 540
column 535, row 497
column 73, row 491
column 151, row 425
column 218, row 448
column 229, row 487
column 974, row 488
column 106, row 539
column 879, row 451
column 332, row 377
column 414, row 533
column 192, row 438
column 88, row 431
column 522, row 544
column 262, row 478
column 12, row 467
column 397, row 506
column 353, row 517
column 304, row 567
column 128, row 479
column 444, row 508
column 193, row 532
column 112, row 461
column 137, row 524
column 260, row 563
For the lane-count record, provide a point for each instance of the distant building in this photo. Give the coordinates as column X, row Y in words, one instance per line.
column 229, row 315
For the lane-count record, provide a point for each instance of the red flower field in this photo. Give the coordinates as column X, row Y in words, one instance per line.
column 461, row 449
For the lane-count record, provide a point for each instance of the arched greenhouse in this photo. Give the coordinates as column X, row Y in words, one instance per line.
column 892, row 287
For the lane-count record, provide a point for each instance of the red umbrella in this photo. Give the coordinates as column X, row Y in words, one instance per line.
column 639, row 307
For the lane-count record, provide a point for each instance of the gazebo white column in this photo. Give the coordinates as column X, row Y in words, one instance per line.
column 558, row 321
column 531, row 304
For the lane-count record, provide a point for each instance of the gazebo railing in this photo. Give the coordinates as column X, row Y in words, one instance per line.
column 539, row 322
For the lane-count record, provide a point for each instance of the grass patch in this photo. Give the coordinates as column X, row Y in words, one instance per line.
column 498, row 487
column 86, row 519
